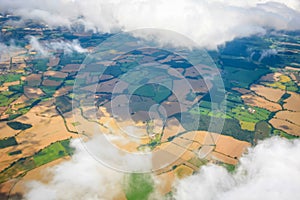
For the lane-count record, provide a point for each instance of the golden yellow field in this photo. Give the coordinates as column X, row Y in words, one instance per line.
column 269, row 93
column 286, row 126
column 292, row 103
column 288, row 121
column 254, row 100
column 47, row 127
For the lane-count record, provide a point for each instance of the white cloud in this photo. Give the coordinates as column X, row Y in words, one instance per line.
column 82, row 177
column 271, row 170
column 36, row 46
column 208, row 22
column 67, row 47
column 46, row 47
column 267, row 53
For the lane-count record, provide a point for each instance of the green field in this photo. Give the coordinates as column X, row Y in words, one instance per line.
column 49, row 90
column 19, row 167
column 138, row 186
column 262, row 130
column 9, row 78
column 284, row 134
column 48, row 154
column 242, row 114
column 39, row 65
column 231, row 126
column 235, row 77
column 52, row 152
column 18, row 125
column 7, row 142
column 7, row 98
column 63, row 103
column 156, row 92
column 15, row 152
column 197, row 161
column 229, row 167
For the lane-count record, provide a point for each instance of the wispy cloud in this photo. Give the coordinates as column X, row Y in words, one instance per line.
column 267, row 53
column 46, row 47
column 7, row 51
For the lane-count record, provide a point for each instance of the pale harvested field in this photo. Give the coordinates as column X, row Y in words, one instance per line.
column 2, row 110
column 231, row 147
column 172, row 108
column 267, row 92
column 172, row 128
column 241, row 90
column 19, row 101
column 292, row 68
column 6, row 187
column 5, row 159
column 108, row 86
column 294, row 78
column 90, row 88
column 181, row 88
column 11, row 83
column 183, row 171
column 293, row 102
column 200, row 85
column 33, row 92
column 71, row 68
column 272, row 77
column 4, row 86
column 175, row 72
column 56, row 74
column 63, row 91
column 84, row 126
column 254, row 100
column 6, row 131
column 162, row 157
column 169, row 58
column 293, row 117
column 165, row 182
column 285, row 126
column 178, row 148
column 48, row 82
column 34, row 79
column 3, row 115
column 225, row 145
column 47, row 127
column 223, row 158
column 185, row 144
column 191, row 72
column 227, row 149
column 126, row 135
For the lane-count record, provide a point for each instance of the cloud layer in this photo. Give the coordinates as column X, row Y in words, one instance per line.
column 271, row 170
column 208, row 22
